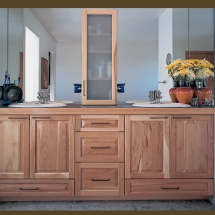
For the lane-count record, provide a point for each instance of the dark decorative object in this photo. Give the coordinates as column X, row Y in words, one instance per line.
column 44, row 73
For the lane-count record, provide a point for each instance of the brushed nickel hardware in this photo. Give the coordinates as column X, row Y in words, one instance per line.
column 84, row 88
column 106, row 123
column 17, row 117
column 165, row 117
column 41, row 117
column 188, row 117
column 29, row 188
column 170, row 188
column 100, row 147
column 100, row 179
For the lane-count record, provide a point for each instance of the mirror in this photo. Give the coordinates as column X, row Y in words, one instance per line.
column 11, row 43
column 138, row 39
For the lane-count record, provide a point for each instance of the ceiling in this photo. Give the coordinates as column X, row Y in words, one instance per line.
column 134, row 24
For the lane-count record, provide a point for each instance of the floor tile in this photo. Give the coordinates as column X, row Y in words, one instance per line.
column 153, row 205
column 119, row 205
column 209, row 205
column 88, row 205
column 53, row 206
column 190, row 205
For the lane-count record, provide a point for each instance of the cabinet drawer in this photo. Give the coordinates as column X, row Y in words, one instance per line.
column 99, row 146
column 37, row 188
column 99, row 123
column 169, row 187
column 99, row 179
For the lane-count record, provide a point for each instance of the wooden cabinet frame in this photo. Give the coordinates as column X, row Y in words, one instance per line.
column 85, row 101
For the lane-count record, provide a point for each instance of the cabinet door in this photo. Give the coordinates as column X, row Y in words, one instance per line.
column 51, row 147
column 192, row 146
column 146, row 146
column 14, row 147
column 99, row 52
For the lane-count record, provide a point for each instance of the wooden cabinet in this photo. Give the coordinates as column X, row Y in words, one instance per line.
column 102, row 179
column 99, row 57
column 99, row 123
column 99, row 155
column 146, row 146
column 171, row 188
column 192, row 146
column 99, row 147
column 51, row 147
column 176, row 152
column 38, row 188
column 14, row 146
column 82, row 157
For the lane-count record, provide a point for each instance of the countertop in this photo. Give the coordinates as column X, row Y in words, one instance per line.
column 120, row 108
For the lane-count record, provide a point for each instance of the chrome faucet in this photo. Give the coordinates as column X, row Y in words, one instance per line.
column 40, row 97
column 155, row 96
column 158, row 96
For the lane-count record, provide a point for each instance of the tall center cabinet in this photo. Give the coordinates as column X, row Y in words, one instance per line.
column 99, row 57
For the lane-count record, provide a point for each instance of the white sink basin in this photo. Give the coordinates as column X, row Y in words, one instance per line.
column 37, row 105
column 163, row 104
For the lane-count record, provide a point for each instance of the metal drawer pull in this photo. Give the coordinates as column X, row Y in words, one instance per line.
column 29, row 188
column 165, row 117
column 100, row 147
column 189, row 117
column 42, row 117
column 100, row 123
column 170, row 188
column 100, row 179
column 17, row 117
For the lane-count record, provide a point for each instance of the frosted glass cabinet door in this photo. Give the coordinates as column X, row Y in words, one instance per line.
column 99, row 57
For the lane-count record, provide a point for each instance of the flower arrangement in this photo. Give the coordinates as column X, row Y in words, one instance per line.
column 190, row 69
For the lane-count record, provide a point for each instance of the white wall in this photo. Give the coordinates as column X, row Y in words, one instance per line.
column 136, row 62
column 47, row 43
column 165, row 46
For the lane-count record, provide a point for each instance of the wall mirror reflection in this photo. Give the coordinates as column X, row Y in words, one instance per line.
column 145, row 37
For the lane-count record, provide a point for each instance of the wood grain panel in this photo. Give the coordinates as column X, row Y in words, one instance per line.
column 99, row 146
column 102, row 179
column 37, row 188
column 99, row 123
column 14, row 146
column 147, row 146
column 169, row 187
column 52, row 147
column 192, row 146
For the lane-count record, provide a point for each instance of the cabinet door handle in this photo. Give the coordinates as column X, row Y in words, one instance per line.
column 165, row 117
column 170, row 188
column 100, row 147
column 84, row 88
column 41, row 117
column 178, row 117
column 29, row 188
column 100, row 179
column 17, row 117
column 101, row 123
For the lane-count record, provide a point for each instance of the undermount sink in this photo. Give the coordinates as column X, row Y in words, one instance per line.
column 162, row 104
column 37, row 105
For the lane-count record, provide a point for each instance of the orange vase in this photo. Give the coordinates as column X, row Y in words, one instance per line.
column 172, row 94
column 184, row 94
column 203, row 93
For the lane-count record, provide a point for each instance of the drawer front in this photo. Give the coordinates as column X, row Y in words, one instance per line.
column 99, row 123
column 99, row 179
column 99, row 146
column 37, row 188
column 169, row 187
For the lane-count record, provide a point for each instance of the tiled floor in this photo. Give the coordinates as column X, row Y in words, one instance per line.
column 109, row 205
